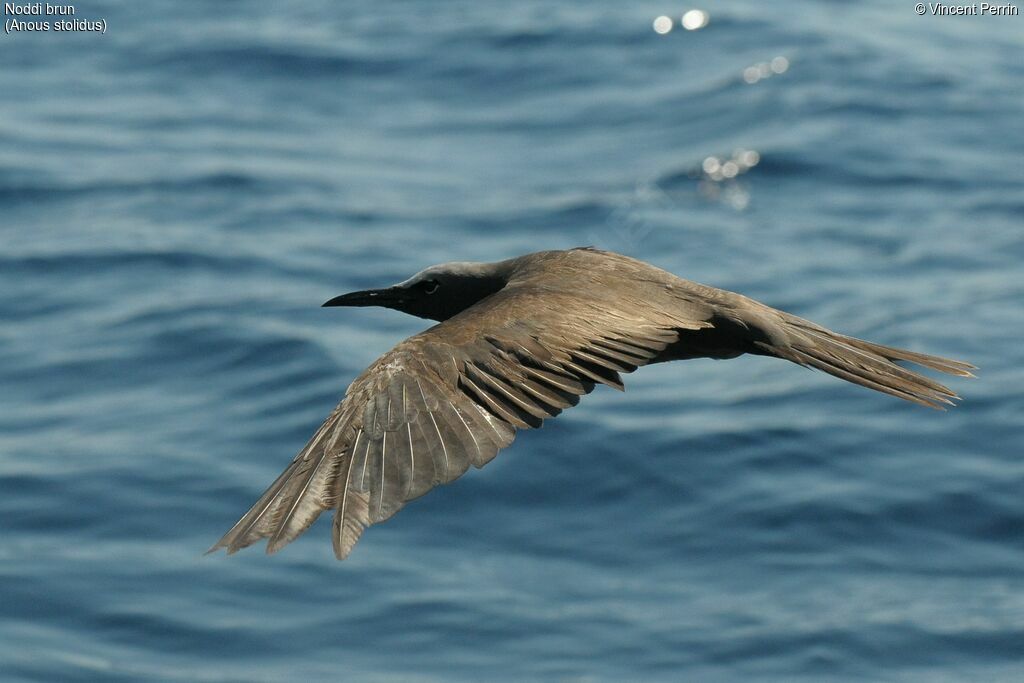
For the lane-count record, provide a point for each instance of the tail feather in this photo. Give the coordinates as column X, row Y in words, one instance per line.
column 862, row 362
column 946, row 365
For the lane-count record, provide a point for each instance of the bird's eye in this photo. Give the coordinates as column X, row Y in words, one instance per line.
column 430, row 286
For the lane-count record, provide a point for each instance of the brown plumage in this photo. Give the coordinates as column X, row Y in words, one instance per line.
column 519, row 341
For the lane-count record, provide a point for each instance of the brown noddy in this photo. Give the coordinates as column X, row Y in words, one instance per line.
column 517, row 342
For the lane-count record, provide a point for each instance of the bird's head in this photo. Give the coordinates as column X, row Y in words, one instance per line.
column 436, row 293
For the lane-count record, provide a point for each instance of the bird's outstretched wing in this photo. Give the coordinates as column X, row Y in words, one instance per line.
column 453, row 396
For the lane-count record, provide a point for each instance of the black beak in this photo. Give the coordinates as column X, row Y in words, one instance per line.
column 387, row 297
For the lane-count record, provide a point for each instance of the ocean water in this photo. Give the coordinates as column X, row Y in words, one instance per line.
column 179, row 194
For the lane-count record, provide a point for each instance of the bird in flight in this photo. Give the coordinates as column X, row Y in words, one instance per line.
column 518, row 341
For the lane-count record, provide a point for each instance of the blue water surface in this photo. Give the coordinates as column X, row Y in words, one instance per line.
column 178, row 196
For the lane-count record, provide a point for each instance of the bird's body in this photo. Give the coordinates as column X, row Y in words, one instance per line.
column 518, row 341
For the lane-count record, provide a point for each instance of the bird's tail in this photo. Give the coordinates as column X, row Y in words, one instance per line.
column 861, row 362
